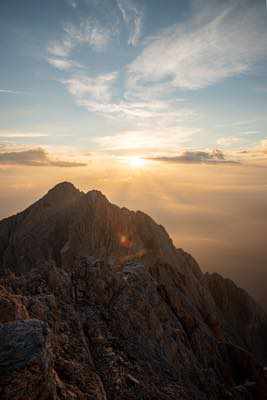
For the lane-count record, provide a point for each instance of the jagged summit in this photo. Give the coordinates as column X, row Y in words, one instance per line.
column 62, row 189
column 121, row 313
column 67, row 189
column 94, row 195
column 63, row 186
column 67, row 223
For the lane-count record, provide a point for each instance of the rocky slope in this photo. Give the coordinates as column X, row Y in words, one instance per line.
column 243, row 321
column 97, row 303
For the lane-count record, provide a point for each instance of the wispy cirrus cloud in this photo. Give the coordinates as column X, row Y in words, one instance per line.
column 36, row 157
column 149, row 114
column 88, row 32
column 150, row 123
column 132, row 16
column 98, row 34
column 97, row 89
column 60, row 48
column 11, row 91
column 4, row 134
column 204, row 50
column 63, row 64
column 98, row 94
column 146, row 141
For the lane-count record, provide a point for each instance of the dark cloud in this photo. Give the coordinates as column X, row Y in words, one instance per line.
column 35, row 157
column 197, row 157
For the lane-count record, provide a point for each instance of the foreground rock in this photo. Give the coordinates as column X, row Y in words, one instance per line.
column 128, row 315
column 26, row 361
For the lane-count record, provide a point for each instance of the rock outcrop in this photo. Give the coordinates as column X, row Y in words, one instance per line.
column 97, row 303
column 26, row 361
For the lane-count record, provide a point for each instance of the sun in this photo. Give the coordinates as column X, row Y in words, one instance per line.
column 136, row 162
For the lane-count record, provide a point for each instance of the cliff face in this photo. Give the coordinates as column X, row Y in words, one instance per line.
column 110, row 309
column 243, row 320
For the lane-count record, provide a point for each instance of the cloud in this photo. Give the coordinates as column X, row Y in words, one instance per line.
column 98, row 94
column 72, row 3
column 132, row 16
column 21, row 135
column 62, row 64
column 140, row 115
column 8, row 91
column 228, row 141
column 90, row 32
column 98, row 34
column 145, row 140
column 204, row 50
column 60, row 48
column 196, row 157
column 257, row 154
column 96, row 89
column 148, row 123
column 149, row 114
column 37, row 157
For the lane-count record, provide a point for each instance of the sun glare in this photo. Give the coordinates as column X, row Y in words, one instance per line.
column 136, row 162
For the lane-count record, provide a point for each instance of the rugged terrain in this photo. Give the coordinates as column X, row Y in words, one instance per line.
column 97, row 303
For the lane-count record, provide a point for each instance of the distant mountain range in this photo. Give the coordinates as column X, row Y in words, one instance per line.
column 97, row 303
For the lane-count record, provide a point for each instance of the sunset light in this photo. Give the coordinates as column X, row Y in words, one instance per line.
column 133, row 199
column 136, row 162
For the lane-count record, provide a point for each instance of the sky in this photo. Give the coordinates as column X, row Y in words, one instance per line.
column 162, row 105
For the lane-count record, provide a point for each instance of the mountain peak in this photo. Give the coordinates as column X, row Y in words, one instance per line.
column 64, row 186
column 61, row 192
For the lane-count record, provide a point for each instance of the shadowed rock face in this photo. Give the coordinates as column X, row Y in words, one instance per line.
column 26, row 361
column 97, row 303
column 242, row 319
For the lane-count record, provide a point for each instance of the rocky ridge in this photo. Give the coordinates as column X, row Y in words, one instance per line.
column 97, row 303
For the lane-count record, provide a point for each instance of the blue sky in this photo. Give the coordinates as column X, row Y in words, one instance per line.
column 133, row 77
